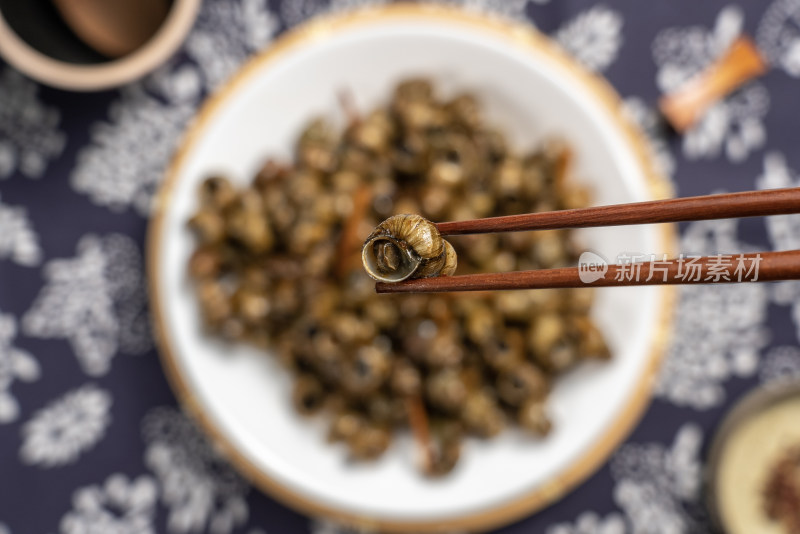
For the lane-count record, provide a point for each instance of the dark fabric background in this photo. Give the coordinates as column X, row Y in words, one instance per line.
column 71, row 240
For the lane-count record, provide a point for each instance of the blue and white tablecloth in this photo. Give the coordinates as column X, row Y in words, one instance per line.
column 91, row 439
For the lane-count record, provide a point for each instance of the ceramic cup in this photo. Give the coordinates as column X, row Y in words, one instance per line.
column 35, row 40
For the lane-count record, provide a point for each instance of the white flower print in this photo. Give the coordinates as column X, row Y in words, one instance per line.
column 513, row 9
column 95, row 300
column 593, row 37
column 658, row 488
column 68, row 426
column 124, row 163
column 733, row 125
column 591, row 523
column 29, row 133
column 649, row 121
column 15, row 364
column 783, row 230
column 781, row 364
column 680, row 53
column 324, row 526
column 201, row 491
column 295, row 11
column 120, row 506
column 226, row 34
column 18, row 241
column 778, row 35
column 177, row 84
column 719, row 328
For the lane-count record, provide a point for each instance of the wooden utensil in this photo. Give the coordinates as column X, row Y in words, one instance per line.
column 739, row 64
column 114, row 27
column 764, row 266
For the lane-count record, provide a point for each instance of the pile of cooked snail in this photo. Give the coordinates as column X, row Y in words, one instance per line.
column 277, row 264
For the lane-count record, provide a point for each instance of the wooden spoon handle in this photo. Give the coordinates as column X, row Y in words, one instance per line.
column 740, row 63
column 113, row 27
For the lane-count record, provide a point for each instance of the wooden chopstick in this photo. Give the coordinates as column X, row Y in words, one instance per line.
column 724, row 206
column 723, row 268
column 739, row 64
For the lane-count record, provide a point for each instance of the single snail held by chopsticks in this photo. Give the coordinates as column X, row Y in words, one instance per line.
column 407, row 246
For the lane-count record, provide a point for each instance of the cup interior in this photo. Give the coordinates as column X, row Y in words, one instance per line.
column 38, row 23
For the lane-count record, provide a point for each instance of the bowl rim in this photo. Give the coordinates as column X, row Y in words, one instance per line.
column 517, row 34
column 75, row 77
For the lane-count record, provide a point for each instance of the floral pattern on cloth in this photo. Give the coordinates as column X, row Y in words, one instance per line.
column 778, row 35
column 123, row 165
column 201, row 491
column 95, row 300
column 719, row 332
column 18, row 241
column 733, row 126
column 226, row 34
column 658, row 486
column 119, row 506
column 297, row 11
column 68, row 426
column 29, row 130
column 15, row 365
column 783, row 230
column 781, row 365
column 322, row 526
column 594, row 37
column 591, row 523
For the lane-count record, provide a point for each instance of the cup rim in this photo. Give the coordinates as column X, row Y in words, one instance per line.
column 64, row 75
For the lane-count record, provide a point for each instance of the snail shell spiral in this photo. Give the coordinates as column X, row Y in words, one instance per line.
column 407, row 246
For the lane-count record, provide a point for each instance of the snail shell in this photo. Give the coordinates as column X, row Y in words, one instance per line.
column 407, row 246
column 450, row 260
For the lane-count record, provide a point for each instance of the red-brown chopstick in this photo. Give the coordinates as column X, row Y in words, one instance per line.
column 724, row 268
column 724, row 206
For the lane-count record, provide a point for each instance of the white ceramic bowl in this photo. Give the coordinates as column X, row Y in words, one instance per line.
column 242, row 398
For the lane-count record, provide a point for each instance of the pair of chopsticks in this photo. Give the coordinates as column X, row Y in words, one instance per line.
column 763, row 266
